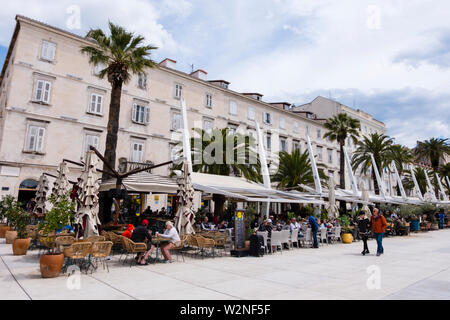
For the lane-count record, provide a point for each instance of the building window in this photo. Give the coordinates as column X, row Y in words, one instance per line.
column 295, row 127
column 208, row 125
column 283, row 144
column 319, row 134
column 35, row 138
column 140, row 114
column 224, row 85
column 96, row 104
column 178, row 91
column 233, row 107
column 142, row 80
column 268, row 142
column 330, row 156
column 319, row 153
column 282, row 123
column 209, row 100
column 267, row 118
column 232, row 128
column 90, row 140
column 137, row 151
column 296, row 145
column 251, row 113
column 48, row 50
column 176, row 120
column 42, row 91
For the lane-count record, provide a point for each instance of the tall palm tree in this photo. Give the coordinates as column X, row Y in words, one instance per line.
column 434, row 151
column 122, row 54
column 380, row 146
column 401, row 155
column 209, row 154
column 294, row 169
column 419, row 173
column 444, row 171
column 339, row 128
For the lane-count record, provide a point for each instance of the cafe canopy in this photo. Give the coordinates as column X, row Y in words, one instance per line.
column 144, row 182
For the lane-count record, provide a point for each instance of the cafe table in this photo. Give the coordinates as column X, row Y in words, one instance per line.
column 157, row 241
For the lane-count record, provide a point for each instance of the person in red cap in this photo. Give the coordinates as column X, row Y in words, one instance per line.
column 127, row 233
column 142, row 235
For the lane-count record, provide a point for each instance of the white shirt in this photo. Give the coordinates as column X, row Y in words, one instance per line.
column 172, row 234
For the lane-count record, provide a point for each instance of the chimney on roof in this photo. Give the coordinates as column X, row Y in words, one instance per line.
column 200, row 74
column 168, row 63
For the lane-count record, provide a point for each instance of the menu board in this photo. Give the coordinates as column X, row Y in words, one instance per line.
column 239, row 230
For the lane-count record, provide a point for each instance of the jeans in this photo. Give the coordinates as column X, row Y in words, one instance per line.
column 379, row 238
column 316, row 243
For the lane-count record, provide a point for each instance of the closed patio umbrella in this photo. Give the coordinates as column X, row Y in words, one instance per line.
column 62, row 185
column 365, row 198
column 333, row 211
column 87, row 196
column 185, row 216
column 41, row 196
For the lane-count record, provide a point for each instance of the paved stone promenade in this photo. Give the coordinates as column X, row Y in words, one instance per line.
column 414, row 267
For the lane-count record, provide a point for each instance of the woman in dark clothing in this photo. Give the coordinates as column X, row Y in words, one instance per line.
column 364, row 230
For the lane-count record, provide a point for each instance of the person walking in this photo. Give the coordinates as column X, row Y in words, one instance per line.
column 379, row 225
column 364, row 230
column 314, row 227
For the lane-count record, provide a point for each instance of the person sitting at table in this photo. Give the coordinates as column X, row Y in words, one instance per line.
column 142, row 235
column 172, row 234
column 205, row 224
column 222, row 225
column 127, row 233
column 294, row 225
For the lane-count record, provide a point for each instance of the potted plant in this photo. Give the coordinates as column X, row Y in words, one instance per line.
column 20, row 221
column 62, row 212
column 12, row 210
column 347, row 236
column 249, row 217
column 5, row 204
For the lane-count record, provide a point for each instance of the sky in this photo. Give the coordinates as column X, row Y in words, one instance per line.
column 390, row 58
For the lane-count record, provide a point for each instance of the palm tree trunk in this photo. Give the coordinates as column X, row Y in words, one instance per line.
column 110, row 147
column 113, row 128
column 219, row 202
column 342, row 204
column 375, row 183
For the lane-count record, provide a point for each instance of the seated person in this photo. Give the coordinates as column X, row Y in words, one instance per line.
column 222, row 225
column 172, row 234
column 127, row 233
column 294, row 225
column 163, row 212
column 205, row 224
column 140, row 235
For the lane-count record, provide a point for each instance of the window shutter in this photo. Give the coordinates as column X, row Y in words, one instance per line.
column 99, row 104
column 44, row 51
column 31, row 141
column 92, row 104
column 39, row 90
column 134, row 113
column 51, row 50
column 40, row 139
column 147, row 115
column 47, row 88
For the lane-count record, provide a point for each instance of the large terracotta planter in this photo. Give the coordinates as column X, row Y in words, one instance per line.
column 10, row 236
column 3, row 229
column 51, row 265
column 347, row 238
column 20, row 246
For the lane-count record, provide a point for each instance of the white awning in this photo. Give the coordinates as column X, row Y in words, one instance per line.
column 144, row 182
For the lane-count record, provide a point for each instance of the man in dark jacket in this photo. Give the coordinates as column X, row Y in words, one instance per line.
column 314, row 227
column 141, row 235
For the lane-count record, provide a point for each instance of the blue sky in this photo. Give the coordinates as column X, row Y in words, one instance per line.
column 391, row 59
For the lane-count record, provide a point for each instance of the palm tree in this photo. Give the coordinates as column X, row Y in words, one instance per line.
column 339, row 128
column 434, row 151
column 122, row 54
column 401, row 155
column 380, row 146
column 209, row 154
column 444, row 171
column 294, row 169
column 419, row 173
